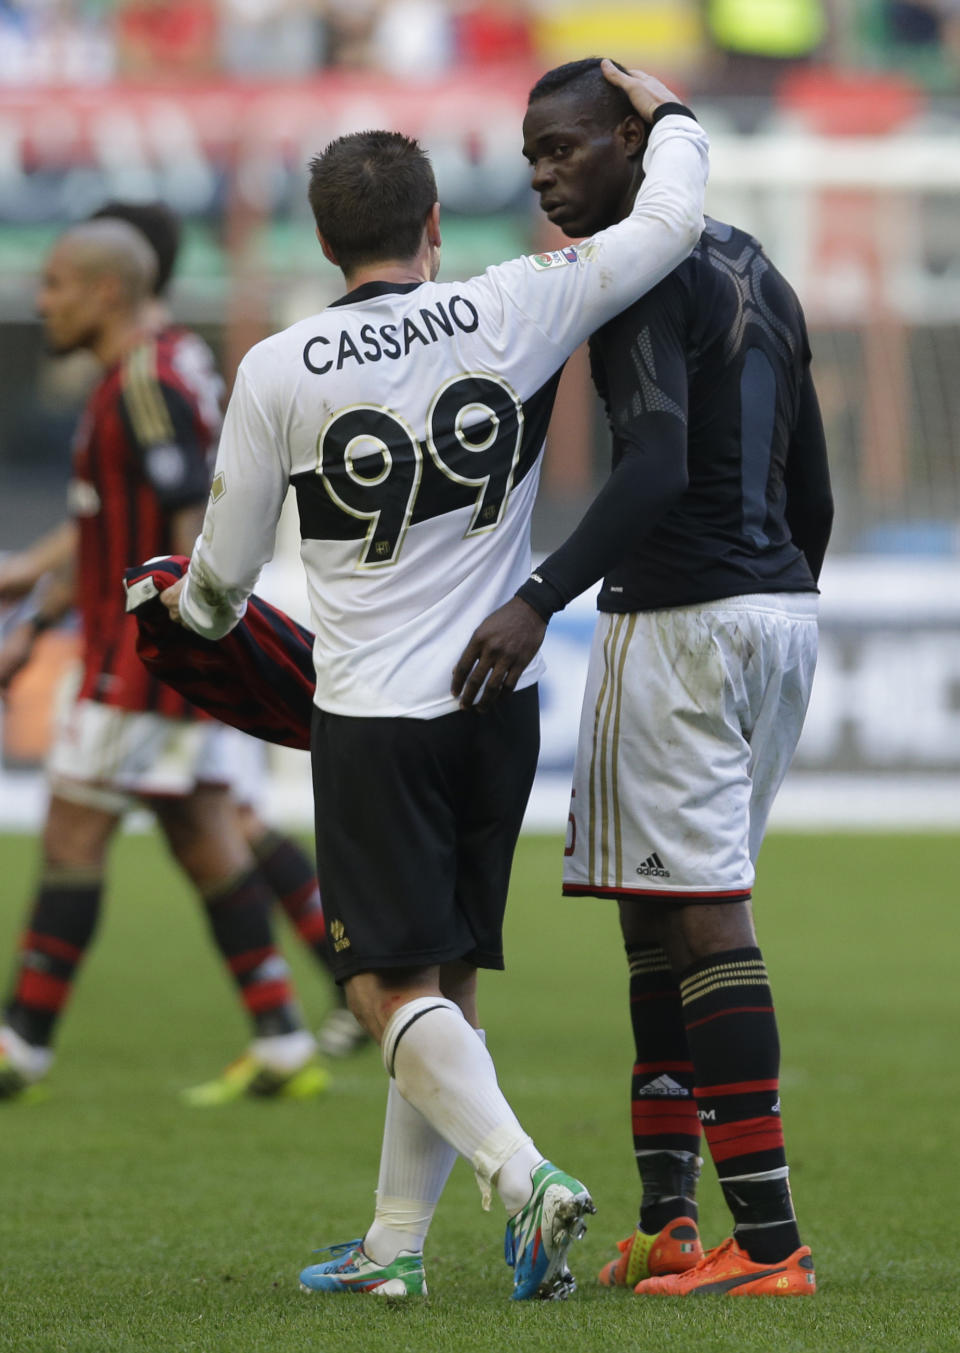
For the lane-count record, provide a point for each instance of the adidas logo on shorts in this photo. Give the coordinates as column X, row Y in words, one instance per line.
column 652, row 867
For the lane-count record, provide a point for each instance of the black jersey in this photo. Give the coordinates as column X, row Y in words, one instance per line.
column 720, row 484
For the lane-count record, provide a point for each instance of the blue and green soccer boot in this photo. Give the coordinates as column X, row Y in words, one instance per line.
column 351, row 1271
column 541, row 1233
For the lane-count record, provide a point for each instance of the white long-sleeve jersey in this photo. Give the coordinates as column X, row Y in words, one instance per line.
column 410, row 420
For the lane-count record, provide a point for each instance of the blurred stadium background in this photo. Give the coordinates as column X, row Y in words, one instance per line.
column 835, row 132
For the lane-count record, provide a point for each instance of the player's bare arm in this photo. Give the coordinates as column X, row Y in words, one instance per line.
column 499, row 651
column 15, row 653
column 20, row 572
column 17, row 648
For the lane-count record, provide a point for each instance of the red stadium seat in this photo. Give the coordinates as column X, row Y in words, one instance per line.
column 850, row 103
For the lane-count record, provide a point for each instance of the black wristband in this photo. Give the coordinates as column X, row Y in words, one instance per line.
column 541, row 596
column 41, row 623
column 669, row 109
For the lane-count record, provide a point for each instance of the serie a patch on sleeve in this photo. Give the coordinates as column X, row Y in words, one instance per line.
column 557, row 258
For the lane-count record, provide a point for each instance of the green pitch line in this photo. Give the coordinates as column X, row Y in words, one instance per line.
column 131, row 1224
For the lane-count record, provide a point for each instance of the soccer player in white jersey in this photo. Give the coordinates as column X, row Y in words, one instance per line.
column 409, row 417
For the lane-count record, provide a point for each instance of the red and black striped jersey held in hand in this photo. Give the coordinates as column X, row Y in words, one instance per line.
column 142, row 453
column 260, row 677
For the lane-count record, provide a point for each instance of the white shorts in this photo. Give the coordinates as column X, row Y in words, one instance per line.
column 245, row 765
column 690, row 719
column 110, row 758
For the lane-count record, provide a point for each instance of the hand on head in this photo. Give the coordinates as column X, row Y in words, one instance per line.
column 644, row 91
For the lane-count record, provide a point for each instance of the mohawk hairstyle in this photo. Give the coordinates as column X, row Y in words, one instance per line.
column 584, row 79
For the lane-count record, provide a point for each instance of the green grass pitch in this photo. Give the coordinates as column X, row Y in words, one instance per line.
column 129, row 1222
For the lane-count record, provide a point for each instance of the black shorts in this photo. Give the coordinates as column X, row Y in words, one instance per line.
column 416, row 824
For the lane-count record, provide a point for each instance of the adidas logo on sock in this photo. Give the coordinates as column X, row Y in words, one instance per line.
column 663, row 1086
column 652, row 867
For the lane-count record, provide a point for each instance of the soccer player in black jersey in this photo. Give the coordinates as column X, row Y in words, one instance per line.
column 709, row 536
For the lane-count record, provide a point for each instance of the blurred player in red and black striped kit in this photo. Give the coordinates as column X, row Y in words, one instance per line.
column 286, row 867
column 141, row 468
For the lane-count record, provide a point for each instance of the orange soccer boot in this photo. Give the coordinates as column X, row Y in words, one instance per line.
column 728, row 1270
column 673, row 1250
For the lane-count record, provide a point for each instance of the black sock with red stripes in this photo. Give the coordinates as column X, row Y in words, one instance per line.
column 58, row 933
column 666, row 1129
column 291, row 875
column 239, row 912
column 732, row 1035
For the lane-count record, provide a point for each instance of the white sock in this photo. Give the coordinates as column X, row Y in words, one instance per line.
column 445, row 1072
column 415, row 1164
column 285, row 1052
column 514, row 1183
